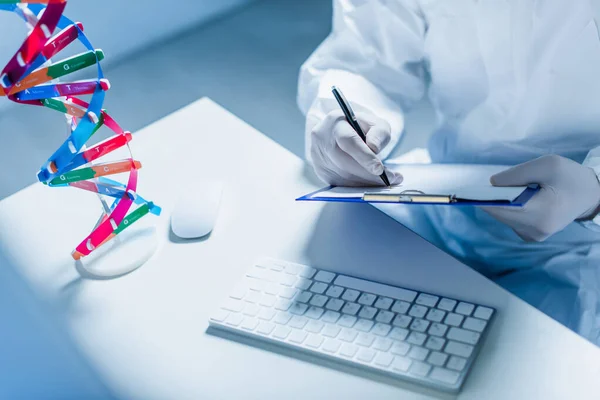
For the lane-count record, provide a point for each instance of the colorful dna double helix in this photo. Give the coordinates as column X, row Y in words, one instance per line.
column 31, row 77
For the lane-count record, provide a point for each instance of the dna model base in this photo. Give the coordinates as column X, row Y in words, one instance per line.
column 122, row 255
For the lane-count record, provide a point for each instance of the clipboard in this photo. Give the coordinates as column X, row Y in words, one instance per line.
column 434, row 184
column 420, row 198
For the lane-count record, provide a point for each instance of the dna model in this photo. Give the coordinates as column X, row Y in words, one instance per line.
column 32, row 77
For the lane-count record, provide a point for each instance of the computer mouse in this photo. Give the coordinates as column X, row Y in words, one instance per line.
column 196, row 211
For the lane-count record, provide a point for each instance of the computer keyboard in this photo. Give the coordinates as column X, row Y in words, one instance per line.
column 406, row 334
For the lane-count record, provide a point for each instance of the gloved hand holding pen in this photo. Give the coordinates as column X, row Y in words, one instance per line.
column 341, row 158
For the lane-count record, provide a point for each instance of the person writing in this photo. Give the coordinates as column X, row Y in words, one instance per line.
column 514, row 82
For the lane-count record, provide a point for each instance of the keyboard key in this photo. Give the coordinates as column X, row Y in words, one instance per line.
column 303, row 284
column 364, row 325
column 435, row 315
column 272, row 276
column 400, row 348
column 383, row 359
column 375, row 288
column 272, row 288
column 251, row 310
column 255, row 284
column 483, row 312
column 438, row 329
column 418, row 353
column 348, row 350
column 314, row 312
column 303, row 297
column 437, row 358
column 282, row 318
column 401, row 363
column 256, row 272
column 350, row 308
column 464, row 308
column 292, row 269
column 444, row 375
column 348, row 335
column 234, row 305
column 474, row 324
column 281, row 332
column 457, row 363
column 367, row 312
column 384, row 317
column 267, row 300
column 334, row 291
column 267, row 313
column 331, row 345
column 420, row 369
column 314, row 341
column 417, row 338
column 398, row 334
column 314, row 326
column 446, row 304
column 287, row 280
column 347, row 320
column 318, row 300
column 276, row 267
column 298, row 322
column 435, row 343
column 381, row 329
column 306, row 272
column 365, row 355
column 334, row 304
column 318, row 287
column 249, row 324
column 330, row 316
column 284, row 305
column 288, row 293
column 252, row 297
column 324, row 276
column 418, row 311
column 350, row 295
column 453, row 319
column 384, row 303
column 264, row 263
column 238, row 292
column 365, row 339
column 297, row 336
column 234, row 319
column 427, row 300
column 298, row 308
column 382, row 344
column 219, row 316
column 265, row 328
column 400, row 307
column 331, row 331
column 419, row 325
column 458, row 349
column 402, row 321
column 463, row 335
column 367, row 299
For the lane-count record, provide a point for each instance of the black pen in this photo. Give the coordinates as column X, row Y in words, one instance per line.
column 351, row 118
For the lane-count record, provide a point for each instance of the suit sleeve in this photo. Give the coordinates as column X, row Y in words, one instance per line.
column 374, row 54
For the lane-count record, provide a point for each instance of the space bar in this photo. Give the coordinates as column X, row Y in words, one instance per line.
column 375, row 288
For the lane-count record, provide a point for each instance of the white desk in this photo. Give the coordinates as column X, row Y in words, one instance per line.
column 143, row 336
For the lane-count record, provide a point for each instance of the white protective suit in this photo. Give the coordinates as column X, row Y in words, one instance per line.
column 510, row 81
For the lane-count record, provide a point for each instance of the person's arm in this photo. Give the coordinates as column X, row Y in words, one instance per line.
column 375, row 55
column 592, row 219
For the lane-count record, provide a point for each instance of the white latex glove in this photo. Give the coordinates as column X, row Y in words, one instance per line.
column 341, row 158
column 568, row 191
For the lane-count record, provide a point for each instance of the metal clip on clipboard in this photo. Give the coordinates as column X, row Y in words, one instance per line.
column 409, row 196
